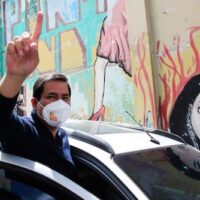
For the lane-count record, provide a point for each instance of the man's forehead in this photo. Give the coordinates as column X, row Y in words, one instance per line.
column 56, row 87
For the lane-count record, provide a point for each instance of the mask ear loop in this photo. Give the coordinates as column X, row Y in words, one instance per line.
column 38, row 112
column 39, row 103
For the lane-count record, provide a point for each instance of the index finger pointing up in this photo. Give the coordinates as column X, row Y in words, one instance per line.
column 38, row 27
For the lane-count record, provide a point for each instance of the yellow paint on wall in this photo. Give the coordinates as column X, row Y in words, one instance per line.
column 140, row 56
column 140, row 98
column 47, row 56
column 187, row 57
column 172, row 17
column 94, row 55
column 72, row 55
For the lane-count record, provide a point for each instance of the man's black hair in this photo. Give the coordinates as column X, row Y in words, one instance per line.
column 38, row 87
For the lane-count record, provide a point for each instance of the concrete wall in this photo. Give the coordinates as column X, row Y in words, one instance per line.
column 174, row 41
column 119, row 55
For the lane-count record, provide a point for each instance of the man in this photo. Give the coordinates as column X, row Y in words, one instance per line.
column 37, row 137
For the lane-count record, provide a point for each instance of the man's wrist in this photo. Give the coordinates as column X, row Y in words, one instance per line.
column 10, row 85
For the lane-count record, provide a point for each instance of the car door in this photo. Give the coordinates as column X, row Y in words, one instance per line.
column 22, row 179
column 94, row 176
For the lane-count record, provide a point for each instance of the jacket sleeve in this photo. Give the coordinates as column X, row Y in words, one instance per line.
column 9, row 121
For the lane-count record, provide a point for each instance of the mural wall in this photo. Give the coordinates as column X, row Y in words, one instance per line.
column 124, row 58
column 68, row 44
column 176, row 55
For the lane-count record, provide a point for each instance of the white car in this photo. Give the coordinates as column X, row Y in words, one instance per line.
column 114, row 161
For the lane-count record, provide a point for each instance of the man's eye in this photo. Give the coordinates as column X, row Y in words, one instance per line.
column 66, row 98
column 198, row 109
column 51, row 97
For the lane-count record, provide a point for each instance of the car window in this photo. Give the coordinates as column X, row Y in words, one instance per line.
column 96, row 178
column 160, row 175
column 94, row 183
column 95, row 128
column 17, row 182
column 14, row 188
column 20, row 191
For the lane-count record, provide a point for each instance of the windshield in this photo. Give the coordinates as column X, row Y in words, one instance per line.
column 161, row 175
column 94, row 127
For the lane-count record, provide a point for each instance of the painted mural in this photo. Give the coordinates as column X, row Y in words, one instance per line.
column 68, row 44
column 176, row 56
column 145, row 111
column 180, row 81
column 126, row 60
column 113, row 48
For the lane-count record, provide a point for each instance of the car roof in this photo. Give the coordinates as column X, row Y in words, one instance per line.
column 118, row 138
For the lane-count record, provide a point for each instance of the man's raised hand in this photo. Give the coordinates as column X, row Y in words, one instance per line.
column 22, row 53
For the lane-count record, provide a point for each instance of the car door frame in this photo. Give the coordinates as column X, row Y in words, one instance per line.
column 94, row 164
column 58, row 185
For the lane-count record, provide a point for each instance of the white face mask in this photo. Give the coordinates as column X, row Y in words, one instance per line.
column 56, row 113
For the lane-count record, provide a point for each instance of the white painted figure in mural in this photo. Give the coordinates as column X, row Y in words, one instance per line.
column 185, row 117
column 195, row 115
column 113, row 48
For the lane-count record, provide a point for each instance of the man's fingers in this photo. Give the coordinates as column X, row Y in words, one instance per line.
column 38, row 27
column 22, row 44
column 34, row 52
column 11, row 48
column 26, row 41
column 19, row 46
column 34, row 46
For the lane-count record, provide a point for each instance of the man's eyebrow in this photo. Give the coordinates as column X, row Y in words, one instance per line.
column 66, row 94
column 52, row 93
column 56, row 94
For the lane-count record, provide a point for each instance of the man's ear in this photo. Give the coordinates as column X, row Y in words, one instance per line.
column 34, row 102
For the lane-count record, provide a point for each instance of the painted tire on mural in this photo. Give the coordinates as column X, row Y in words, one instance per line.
column 185, row 117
